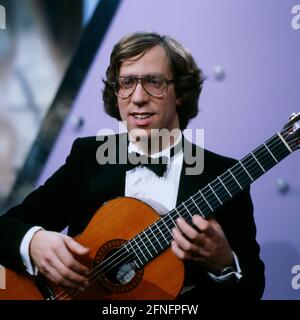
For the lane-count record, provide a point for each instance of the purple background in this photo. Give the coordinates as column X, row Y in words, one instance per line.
column 259, row 50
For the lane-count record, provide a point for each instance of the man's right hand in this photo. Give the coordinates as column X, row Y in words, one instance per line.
column 52, row 253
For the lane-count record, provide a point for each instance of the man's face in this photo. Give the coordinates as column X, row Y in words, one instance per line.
column 141, row 110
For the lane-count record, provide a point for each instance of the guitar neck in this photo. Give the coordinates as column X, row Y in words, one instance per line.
column 157, row 237
column 234, row 179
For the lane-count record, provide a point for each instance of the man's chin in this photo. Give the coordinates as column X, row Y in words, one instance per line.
column 139, row 134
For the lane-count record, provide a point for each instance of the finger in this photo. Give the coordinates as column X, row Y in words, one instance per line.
column 184, row 243
column 214, row 224
column 69, row 275
column 201, row 224
column 54, row 276
column 181, row 254
column 66, row 257
column 75, row 247
column 187, row 230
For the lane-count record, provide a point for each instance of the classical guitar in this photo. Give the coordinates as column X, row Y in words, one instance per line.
column 136, row 262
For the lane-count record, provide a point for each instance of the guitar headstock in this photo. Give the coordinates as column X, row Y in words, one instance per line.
column 291, row 131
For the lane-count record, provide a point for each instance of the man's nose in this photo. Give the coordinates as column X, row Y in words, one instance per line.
column 139, row 95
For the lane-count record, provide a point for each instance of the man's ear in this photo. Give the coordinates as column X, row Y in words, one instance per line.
column 178, row 102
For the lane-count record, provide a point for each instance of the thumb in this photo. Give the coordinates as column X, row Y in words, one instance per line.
column 75, row 247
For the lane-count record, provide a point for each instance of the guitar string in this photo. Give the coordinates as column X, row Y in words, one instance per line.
column 184, row 210
column 179, row 210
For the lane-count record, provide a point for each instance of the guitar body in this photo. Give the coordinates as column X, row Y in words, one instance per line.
column 112, row 225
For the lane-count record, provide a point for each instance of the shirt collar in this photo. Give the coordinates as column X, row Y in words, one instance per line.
column 165, row 152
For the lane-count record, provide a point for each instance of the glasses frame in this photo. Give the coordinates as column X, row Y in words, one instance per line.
column 140, row 80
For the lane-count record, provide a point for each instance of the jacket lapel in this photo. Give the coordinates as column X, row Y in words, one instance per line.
column 109, row 182
column 190, row 184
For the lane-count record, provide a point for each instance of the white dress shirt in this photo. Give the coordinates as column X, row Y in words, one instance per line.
column 163, row 190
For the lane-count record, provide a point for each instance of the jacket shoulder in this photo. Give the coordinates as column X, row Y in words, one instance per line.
column 221, row 160
column 212, row 160
column 93, row 142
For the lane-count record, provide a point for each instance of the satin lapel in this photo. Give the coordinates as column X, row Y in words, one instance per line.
column 110, row 181
column 189, row 184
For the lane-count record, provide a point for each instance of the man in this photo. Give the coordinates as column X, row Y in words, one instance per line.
column 153, row 83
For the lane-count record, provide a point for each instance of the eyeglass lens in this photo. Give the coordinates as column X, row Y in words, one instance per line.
column 153, row 85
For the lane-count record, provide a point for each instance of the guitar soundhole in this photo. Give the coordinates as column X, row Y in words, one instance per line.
column 118, row 272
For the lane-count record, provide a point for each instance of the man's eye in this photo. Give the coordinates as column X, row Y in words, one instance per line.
column 155, row 81
column 126, row 81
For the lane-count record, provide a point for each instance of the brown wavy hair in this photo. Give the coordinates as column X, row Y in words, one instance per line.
column 188, row 77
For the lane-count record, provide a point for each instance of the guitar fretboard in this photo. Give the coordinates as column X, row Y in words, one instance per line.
column 158, row 236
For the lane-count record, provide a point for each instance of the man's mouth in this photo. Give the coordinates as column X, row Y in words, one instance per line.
column 142, row 115
column 142, row 118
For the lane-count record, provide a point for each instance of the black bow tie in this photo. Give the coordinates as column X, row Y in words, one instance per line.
column 157, row 165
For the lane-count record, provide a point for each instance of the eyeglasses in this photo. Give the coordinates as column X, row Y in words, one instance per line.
column 154, row 85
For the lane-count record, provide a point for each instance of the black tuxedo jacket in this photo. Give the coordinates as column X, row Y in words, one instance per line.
column 72, row 195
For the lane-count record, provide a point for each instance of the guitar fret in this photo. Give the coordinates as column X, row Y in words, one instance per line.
column 136, row 264
column 225, row 186
column 145, row 232
column 197, row 207
column 240, row 162
column 161, row 232
column 278, row 148
column 170, row 217
column 175, row 214
column 264, row 157
column 187, row 210
column 125, row 246
column 205, row 200
column 139, row 250
column 139, row 236
column 215, row 193
column 135, row 252
column 170, row 234
column 258, row 162
column 179, row 215
column 235, row 179
column 288, row 147
column 271, row 153
column 156, row 238
column 166, row 225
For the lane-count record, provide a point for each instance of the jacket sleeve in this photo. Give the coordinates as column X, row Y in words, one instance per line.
column 237, row 220
column 47, row 206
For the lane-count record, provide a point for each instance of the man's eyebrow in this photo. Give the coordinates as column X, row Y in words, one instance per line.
column 150, row 74
column 127, row 75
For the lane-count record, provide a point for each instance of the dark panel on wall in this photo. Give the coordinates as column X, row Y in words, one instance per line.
column 90, row 42
column 64, row 20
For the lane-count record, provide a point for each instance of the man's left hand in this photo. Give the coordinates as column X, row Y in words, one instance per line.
column 204, row 243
